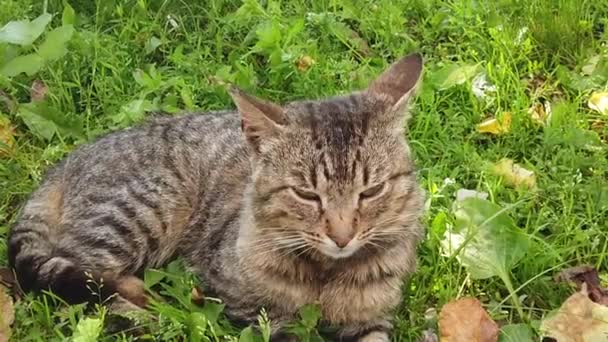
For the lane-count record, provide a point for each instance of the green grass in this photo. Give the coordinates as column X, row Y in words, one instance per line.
column 532, row 51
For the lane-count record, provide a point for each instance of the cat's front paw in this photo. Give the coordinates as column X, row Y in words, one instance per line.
column 375, row 336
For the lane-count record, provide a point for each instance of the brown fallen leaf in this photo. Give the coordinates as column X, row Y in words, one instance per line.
column 588, row 275
column 541, row 113
column 197, row 295
column 465, row 320
column 304, row 63
column 514, row 174
column 579, row 319
column 7, row 314
column 38, row 91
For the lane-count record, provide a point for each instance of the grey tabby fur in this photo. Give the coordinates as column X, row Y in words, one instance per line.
column 272, row 206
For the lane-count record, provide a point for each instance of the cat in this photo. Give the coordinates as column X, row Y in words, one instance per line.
column 272, row 206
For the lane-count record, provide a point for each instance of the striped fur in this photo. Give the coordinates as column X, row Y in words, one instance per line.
column 272, row 206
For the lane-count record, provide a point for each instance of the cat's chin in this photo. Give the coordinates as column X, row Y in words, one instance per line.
column 334, row 252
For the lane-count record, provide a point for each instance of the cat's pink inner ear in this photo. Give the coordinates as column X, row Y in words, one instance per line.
column 398, row 81
column 260, row 118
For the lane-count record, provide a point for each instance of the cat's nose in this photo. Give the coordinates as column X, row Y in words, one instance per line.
column 341, row 225
column 341, row 240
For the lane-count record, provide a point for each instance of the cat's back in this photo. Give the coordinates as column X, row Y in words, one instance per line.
column 157, row 175
column 170, row 147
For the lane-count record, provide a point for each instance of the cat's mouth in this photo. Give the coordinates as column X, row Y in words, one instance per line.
column 330, row 249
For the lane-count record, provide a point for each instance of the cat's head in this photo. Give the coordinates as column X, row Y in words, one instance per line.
column 334, row 177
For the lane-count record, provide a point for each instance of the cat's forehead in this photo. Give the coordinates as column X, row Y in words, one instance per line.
column 338, row 134
column 339, row 120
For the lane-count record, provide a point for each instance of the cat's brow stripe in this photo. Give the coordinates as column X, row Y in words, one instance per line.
column 401, row 174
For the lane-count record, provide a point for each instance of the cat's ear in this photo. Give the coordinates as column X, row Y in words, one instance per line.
column 398, row 82
column 260, row 119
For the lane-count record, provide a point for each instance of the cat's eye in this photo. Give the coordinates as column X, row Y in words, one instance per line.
column 372, row 192
column 306, row 195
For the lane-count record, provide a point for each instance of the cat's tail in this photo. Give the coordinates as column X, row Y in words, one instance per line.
column 40, row 265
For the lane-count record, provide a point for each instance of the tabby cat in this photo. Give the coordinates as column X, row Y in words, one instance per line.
column 273, row 206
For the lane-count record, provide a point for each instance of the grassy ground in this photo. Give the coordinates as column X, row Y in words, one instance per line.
column 126, row 57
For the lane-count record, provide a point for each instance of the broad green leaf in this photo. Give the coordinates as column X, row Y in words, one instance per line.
column 453, row 74
column 132, row 112
column 152, row 44
column 296, row 27
column 68, row 17
column 151, row 80
column 54, row 45
column 578, row 82
column 37, row 123
column 249, row 9
column 45, row 121
column 7, row 52
column 348, row 36
column 28, row 64
column 247, row 335
column 24, row 32
column 269, row 37
column 198, row 326
column 310, row 315
column 88, row 330
column 488, row 242
column 153, row 277
column 212, row 311
column 516, row 333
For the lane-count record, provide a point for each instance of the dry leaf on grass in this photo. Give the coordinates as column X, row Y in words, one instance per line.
column 7, row 314
column 462, row 194
column 197, row 296
column 588, row 275
column 579, row 319
column 496, row 126
column 599, row 102
column 465, row 320
column 7, row 136
column 541, row 113
column 514, row 174
column 304, row 63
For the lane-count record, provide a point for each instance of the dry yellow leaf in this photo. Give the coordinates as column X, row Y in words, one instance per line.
column 7, row 314
column 540, row 113
column 496, row 125
column 514, row 174
column 7, row 136
column 465, row 320
column 579, row 319
column 305, row 62
column 599, row 102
